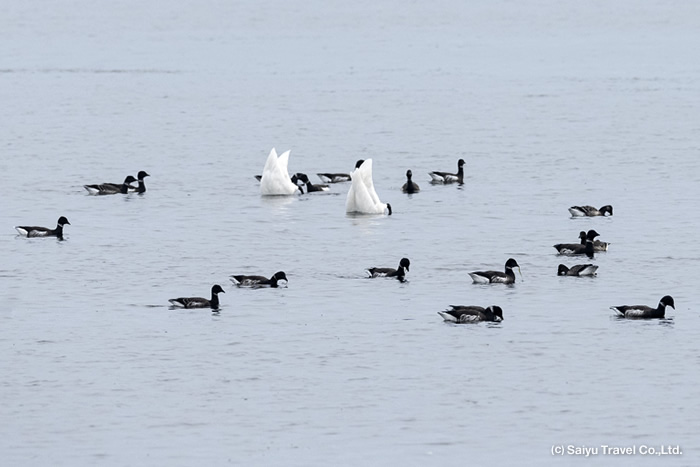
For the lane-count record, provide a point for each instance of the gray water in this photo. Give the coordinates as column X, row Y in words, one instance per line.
column 551, row 104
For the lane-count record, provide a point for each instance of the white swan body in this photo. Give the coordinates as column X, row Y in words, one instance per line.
column 362, row 198
column 275, row 178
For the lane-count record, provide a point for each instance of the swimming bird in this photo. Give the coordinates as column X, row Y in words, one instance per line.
column 334, row 178
column 446, row 177
column 199, row 302
column 577, row 270
column 275, row 178
column 472, row 314
column 643, row 311
column 32, row 231
column 111, row 188
column 497, row 277
column 410, row 186
column 259, row 281
column 399, row 273
column 310, row 188
column 142, row 186
column 597, row 244
column 362, row 198
column 590, row 211
column 578, row 248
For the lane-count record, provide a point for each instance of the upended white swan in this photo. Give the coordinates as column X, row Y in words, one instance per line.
column 362, row 198
column 275, row 177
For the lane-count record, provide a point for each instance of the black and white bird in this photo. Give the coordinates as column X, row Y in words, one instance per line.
column 497, row 277
column 259, row 281
column 472, row 314
column 643, row 311
column 36, row 232
column 141, row 188
column 199, row 302
column 578, row 248
column 310, row 188
column 410, row 186
column 334, row 178
column 112, row 188
column 446, row 177
column 399, row 273
column 577, row 270
column 590, row 211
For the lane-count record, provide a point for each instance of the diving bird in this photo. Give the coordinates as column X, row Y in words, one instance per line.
column 472, row 314
column 362, row 198
column 497, row 277
column 259, row 281
column 199, row 302
column 111, row 188
column 577, row 270
column 643, row 311
column 399, row 273
column 33, row 231
column 275, row 178
column 410, row 186
column 590, row 211
column 446, row 177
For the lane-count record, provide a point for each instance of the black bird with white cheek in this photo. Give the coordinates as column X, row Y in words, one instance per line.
column 472, row 314
column 643, row 311
column 410, row 186
column 38, row 232
column 111, row 188
column 497, row 277
column 578, row 248
column 310, row 188
column 399, row 273
column 259, row 281
column 446, row 177
column 590, row 211
column 199, row 302
column 142, row 186
column 577, row 270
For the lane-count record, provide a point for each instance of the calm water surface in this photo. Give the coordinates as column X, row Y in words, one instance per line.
column 551, row 105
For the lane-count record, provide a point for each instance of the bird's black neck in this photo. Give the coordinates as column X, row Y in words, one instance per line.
column 589, row 248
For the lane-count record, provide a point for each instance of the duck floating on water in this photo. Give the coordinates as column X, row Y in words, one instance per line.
column 112, row 188
column 199, row 302
column 497, row 277
column 259, row 281
column 643, row 311
column 446, row 177
column 577, row 270
column 590, row 211
column 472, row 314
column 399, row 273
column 410, row 186
column 38, row 232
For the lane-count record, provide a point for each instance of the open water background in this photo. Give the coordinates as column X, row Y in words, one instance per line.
column 551, row 104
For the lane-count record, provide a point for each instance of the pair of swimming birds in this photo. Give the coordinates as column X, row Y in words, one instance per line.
column 588, row 245
column 117, row 188
column 474, row 314
column 479, row 277
column 238, row 280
